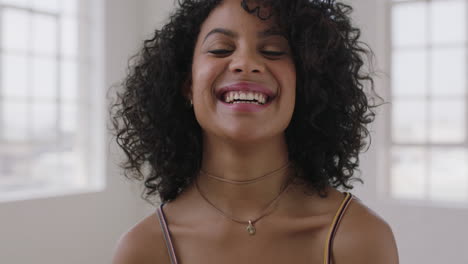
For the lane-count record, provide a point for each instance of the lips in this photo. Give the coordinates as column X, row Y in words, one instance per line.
column 245, row 97
column 245, row 87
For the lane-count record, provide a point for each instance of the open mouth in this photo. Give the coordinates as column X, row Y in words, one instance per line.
column 243, row 97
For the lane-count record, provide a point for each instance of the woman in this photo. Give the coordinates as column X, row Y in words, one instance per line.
column 245, row 117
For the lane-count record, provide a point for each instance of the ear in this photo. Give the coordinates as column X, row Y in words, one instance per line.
column 187, row 88
column 187, row 92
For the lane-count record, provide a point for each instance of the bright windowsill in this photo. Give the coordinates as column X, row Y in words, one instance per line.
column 32, row 193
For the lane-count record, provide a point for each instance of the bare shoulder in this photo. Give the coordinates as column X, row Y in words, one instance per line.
column 142, row 244
column 364, row 237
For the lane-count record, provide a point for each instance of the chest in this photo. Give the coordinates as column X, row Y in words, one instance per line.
column 293, row 243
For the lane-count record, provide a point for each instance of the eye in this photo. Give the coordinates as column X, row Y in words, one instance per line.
column 273, row 53
column 220, row 52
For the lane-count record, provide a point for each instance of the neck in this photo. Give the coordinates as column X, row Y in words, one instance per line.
column 238, row 162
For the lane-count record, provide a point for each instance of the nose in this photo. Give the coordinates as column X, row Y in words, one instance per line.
column 246, row 62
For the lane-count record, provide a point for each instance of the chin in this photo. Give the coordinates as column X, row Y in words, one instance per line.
column 250, row 136
column 244, row 132
column 244, row 138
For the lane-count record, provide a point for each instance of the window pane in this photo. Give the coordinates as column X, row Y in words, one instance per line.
column 15, row 28
column 449, row 175
column 69, row 86
column 448, row 20
column 44, row 34
column 448, row 121
column 15, row 2
column 448, row 71
column 15, row 118
column 409, row 72
column 15, row 159
column 44, row 78
column 58, row 167
column 408, row 173
column 44, row 119
column 70, row 36
column 45, row 164
column 409, row 24
column 15, row 76
column 43, row 134
column 46, row 5
column 71, row 166
column 409, row 121
column 69, row 119
column 69, row 6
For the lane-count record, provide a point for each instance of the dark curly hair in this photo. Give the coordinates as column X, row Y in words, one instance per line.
column 162, row 139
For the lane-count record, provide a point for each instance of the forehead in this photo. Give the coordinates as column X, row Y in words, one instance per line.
column 231, row 15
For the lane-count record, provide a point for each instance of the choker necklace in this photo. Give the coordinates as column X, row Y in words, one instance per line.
column 250, row 227
column 242, row 182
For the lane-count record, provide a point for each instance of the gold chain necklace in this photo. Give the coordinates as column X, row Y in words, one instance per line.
column 245, row 181
column 250, row 227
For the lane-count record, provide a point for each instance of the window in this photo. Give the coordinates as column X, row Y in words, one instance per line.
column 50, row 98
column 429, row 121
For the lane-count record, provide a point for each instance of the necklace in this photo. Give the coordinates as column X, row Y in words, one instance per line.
column 250, row 227
column 242, row 182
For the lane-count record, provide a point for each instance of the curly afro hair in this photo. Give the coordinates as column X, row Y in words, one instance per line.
column 162, row 139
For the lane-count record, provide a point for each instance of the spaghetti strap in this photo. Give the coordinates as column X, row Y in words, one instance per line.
column 166, row 234
column 334, row 227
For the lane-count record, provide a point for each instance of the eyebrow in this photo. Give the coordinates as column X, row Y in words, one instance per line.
column 223, row 31
column 262, row 34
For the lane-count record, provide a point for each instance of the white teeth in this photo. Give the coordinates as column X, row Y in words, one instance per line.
column 255, row 98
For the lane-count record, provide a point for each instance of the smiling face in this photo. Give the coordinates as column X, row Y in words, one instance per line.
column 243, row 76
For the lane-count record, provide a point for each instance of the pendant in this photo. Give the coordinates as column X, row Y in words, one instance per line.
column 251, row 228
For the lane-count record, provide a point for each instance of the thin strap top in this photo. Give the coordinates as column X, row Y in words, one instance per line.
column 166, row 234
column 334, row 227
column 328, row 243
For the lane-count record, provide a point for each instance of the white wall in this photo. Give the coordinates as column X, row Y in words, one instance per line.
column 155, row 13
column 79, row 229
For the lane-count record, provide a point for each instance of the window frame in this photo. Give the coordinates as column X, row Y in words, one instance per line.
column 89, row 62
column 385, row 166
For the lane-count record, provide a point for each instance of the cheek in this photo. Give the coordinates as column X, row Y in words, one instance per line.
column 204, row 76
column 287, row 77
column 288, row 84
column 291, row 79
